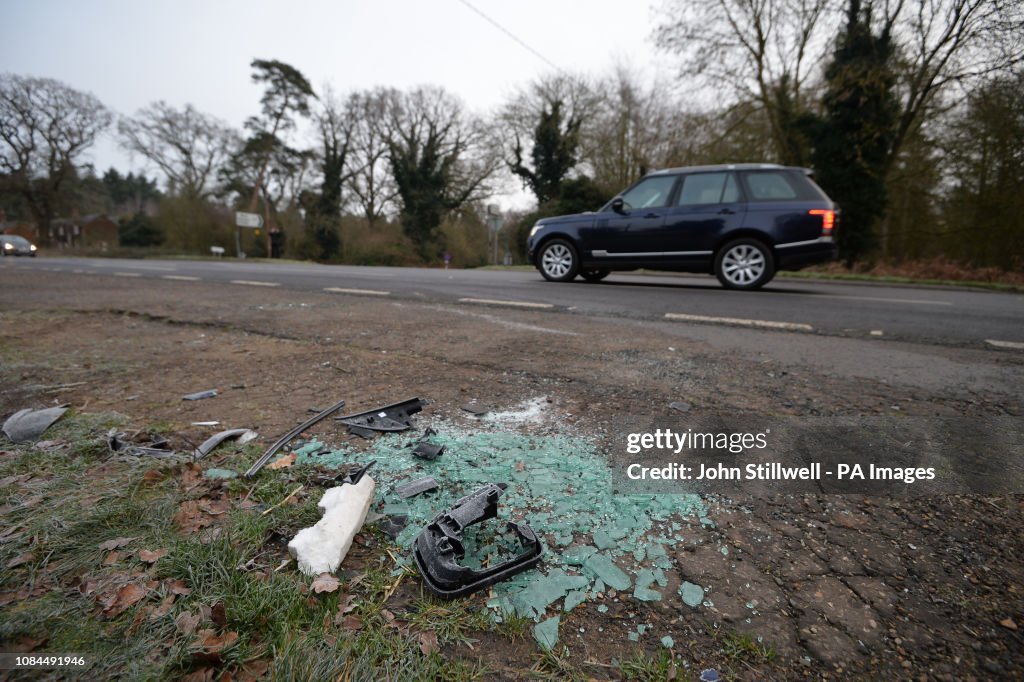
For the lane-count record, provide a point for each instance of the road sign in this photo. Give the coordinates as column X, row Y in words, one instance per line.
column 248, row 219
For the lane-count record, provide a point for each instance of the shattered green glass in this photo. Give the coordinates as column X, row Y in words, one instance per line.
column 594, row 540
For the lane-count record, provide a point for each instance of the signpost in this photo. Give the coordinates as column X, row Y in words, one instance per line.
column 251, row 220
column 494, row 224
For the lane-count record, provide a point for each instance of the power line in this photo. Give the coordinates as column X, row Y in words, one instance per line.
column 511, row 35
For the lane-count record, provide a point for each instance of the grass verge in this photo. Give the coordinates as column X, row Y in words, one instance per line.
column 97, row 563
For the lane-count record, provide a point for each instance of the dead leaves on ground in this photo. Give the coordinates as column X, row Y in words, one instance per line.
column 187, row 622
column 283, row 462
column 209, row 645
column 151, row 557
column 125, row 597
column 14, row 532
column 347, row 603
column 25, row 558
column 428, row 642
column 164, row 608
column 192, row 475
column 41, row 586
column 325, row 582
column 153, row 476
column 118, row 592
column 178, row 587
column 219, row 614
column 116, row 543
column 190, row 517
column 201, row 675
column 351, row 623
column 11, row 480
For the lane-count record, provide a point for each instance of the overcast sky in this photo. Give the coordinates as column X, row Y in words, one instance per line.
column 130, row 53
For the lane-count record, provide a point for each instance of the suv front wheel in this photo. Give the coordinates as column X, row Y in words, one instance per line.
column 744, row 264
column 558, row 261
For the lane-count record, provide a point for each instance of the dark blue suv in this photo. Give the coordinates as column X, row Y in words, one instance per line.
column 742, row 222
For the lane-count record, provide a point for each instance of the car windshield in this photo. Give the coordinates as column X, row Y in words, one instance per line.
column 20, row 242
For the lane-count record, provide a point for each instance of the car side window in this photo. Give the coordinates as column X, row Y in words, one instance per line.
column 768, row 186
column 707, row 188
column 731, row 193
column 652, row 192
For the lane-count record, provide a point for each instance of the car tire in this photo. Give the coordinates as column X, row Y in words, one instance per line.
column 558, row 261
column 594, row 274
column 744, row 264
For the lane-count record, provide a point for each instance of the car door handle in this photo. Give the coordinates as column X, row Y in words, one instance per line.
column 726, row 211
column 652, row 215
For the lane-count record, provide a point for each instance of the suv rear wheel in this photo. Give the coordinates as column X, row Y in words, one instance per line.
column 744, row 264
column 558, row 261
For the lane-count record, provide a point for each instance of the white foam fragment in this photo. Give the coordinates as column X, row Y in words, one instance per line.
column 322, row 547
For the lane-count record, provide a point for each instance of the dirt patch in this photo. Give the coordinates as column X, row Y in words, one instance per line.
column 794, row 586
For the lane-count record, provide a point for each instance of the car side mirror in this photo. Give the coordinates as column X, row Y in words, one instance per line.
column 618, row 205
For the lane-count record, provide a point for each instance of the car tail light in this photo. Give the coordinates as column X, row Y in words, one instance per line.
column 828, row 220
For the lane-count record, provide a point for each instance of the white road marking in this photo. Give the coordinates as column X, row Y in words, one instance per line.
column 126, row 274
column 501, row 321
column 181, row 278
column 877, row 332
column 1013, row 345
column 514, row 304
column 766, row 324
column 367, row 292
column 254, row 283
column 908, row 301
column 137, row 266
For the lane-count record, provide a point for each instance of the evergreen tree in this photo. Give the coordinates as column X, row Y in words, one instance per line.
column 854, row 135
column 438, row 160
column 336, row 121
column 139, row 230
column 554, row 153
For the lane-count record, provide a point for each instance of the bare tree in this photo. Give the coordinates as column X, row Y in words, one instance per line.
column 371, row 182
column 44, row 128
column 438, row 158
column 947, row 42
column 188, row 146
column 763, row 50
column 637, row 129
column 336, row 124
column 769, row 52
column 579, row 102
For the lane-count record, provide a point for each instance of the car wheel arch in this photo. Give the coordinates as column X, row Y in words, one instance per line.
column 571, row 259
column 744, row 233
column 744, row 263
column 557, row 235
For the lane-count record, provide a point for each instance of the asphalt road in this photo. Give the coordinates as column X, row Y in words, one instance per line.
column 939, row 315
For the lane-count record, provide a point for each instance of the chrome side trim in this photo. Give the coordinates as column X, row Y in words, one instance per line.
column 819, row 240
column 601, row 253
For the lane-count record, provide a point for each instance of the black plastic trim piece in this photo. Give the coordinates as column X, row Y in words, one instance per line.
column 388, row 418
column 439, row 546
